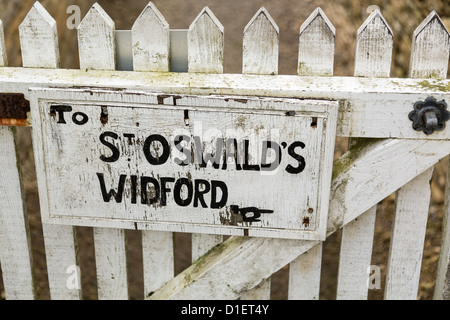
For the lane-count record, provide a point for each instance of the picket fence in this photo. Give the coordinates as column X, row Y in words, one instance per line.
column 386, row 155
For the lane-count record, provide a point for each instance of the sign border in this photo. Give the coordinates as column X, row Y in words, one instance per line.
column 328, row 109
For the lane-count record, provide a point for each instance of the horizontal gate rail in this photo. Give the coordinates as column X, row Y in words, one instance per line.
column 370, row 107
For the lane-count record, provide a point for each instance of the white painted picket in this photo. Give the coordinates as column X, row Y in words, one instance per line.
column 241, row 267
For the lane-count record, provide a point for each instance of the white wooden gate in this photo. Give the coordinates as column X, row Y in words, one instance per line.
column 386, row 155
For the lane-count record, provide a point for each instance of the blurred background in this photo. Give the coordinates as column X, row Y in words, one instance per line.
column 346, row 15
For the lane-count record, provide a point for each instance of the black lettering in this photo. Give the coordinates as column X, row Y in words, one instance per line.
column 117, row 195
column 115, row 151
column 223, row 201
column 159, row 158
column 274, row 146
column 228, row 154
column 177, row 192
column 60, row 110
column 165, row 189
column 200, row 193
column 211, row 157
column 133, row 189
column 246, row 166
column 129, row 136
column 145, row 199
column 296, row 156
column 186, row 152
column 84, row 118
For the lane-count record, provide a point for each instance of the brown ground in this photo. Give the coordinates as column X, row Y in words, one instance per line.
column 346, row 15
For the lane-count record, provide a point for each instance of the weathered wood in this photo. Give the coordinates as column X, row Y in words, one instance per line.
column 96, row 43
column 110, row 258
column 15, row 249
column 316, row 57
column 304, row 275
column 376, row 108
column 3, row 55
column 39, row 39
column 407, row 240
column 374, row 47
column 151, row 40
column 442, row 287
column 352, row 194
column 355, row 257
column 40, row 49
column 62, row 262
column 205, row 43
column 430, row 49
column 96, row 40
column 260, row 45
column 205, row 40
column 316, row 45
column 373, row 58
column 158, row 259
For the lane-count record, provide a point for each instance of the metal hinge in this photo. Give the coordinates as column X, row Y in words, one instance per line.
column 14, row 110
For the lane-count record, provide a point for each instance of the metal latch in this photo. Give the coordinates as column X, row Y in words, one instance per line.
column 14, row 109
column 429, row 115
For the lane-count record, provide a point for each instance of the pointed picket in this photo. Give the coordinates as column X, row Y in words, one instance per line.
column 39, row 39
column 374, row 47
column 373, row 59
column 39, row 44
column 260, row 45
column 316, row 45
column 205, row 54
column 96, row 40
column 430, row 49
column 151, row 41
column 205, row 43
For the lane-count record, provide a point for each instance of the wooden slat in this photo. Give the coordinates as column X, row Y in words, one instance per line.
column 205, row 43
column 96, row 43
column 373, row 59
column 220, row 273
column 96, row 40
column 316, row 45
column 374, row 47
column 442, row 287
column 110, row 258
column 355, row 256
column 260, row 56
column 40, row 49
column 430, row 49
column 205, row 55
column 151, row 52
column 39, row 39
column 15, row 250
column 429, row 58
column 304, row 275
column 151, row 40
column 3, row 55
column 407, row 240
column 158, row 259
column 316, row 57
column 260, row 45
column 371, row 107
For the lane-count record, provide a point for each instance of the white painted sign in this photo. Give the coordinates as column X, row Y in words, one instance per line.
column 204, row 164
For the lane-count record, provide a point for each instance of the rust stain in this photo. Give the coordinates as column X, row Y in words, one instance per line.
column 104, row 116
column 305, row 221
column 14, row 109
